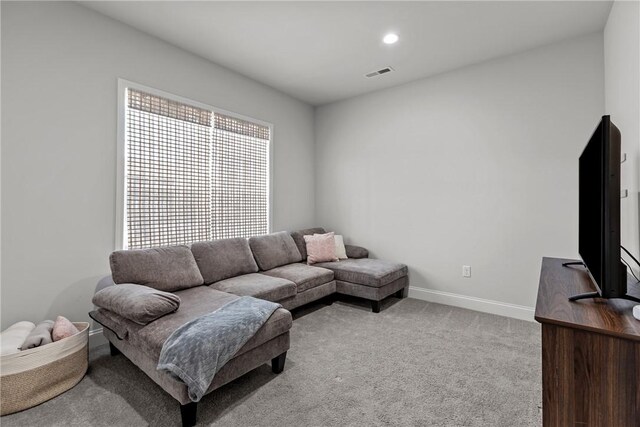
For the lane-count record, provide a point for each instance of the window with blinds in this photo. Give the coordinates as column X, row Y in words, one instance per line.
column 191, row 174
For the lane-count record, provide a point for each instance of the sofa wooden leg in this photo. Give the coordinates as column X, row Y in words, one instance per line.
column 189, row 413
column 375, row 306
column 113, row 350
column 401, row 294
column 277, row 363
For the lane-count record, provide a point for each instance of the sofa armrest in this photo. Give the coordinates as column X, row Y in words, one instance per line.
column 356, row 251
column 138, row 303
column 111, row 321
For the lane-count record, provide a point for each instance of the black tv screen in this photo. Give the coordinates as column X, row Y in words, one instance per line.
column 599, row 210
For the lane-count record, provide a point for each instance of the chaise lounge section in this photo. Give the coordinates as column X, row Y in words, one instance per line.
column 142, row 344
column 174, row 269
column 359, row 275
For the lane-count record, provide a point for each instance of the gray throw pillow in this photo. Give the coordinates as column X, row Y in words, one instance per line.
column 138, row 303
column 170, row 268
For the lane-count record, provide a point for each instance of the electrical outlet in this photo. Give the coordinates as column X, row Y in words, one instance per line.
column 466, row 271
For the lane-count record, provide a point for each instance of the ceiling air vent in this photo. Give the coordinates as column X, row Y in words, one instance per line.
column 379, row 72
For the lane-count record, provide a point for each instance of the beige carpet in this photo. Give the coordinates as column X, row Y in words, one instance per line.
column 413, row 364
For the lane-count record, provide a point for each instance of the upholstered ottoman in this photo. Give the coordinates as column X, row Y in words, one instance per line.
column 372, row 279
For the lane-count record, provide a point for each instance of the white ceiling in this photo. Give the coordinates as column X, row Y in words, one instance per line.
column 319, row 52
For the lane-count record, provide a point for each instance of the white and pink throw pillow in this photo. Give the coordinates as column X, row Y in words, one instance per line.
column 63, row 328
column 321, row 248
column 341, row 251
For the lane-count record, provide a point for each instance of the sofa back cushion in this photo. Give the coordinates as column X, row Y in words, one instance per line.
column 298, row 237
column 274, row 250
column 222, row 259
column 168, row 269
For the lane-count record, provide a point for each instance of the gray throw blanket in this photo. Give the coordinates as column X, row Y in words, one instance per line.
column 197, row 350
column 41, row 335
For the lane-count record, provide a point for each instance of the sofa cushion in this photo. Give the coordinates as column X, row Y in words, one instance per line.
column 304, row 276
column 167, row 269
column 298, row 237
column 366, row 271
column 197, row 302
column 138, row 303
column 221, row 259
column 258, row 285
column 274, row 250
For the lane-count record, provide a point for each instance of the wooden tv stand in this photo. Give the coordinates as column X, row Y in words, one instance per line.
column 590, row 352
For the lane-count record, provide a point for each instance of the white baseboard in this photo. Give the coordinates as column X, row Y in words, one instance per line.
column 472, row 303
column 96, row 338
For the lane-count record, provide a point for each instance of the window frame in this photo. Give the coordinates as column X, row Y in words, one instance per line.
column 121, row 152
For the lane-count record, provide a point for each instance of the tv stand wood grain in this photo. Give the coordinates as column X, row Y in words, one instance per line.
column 590, row 352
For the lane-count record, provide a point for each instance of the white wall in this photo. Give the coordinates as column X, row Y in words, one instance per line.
column 60, row 64
column 476, row 166
column 622, row 102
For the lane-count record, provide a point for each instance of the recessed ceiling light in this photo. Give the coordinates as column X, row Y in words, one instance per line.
column 390, row 38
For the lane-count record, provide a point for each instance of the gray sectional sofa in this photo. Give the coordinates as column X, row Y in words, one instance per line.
column 208, row 275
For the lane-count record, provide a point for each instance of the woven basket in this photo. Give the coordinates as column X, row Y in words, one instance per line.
column 30, row 377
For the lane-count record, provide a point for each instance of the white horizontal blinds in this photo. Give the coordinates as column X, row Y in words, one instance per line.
column 240, row 178
column 168, row 194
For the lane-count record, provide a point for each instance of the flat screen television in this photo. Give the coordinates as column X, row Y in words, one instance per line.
column 599, row 213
